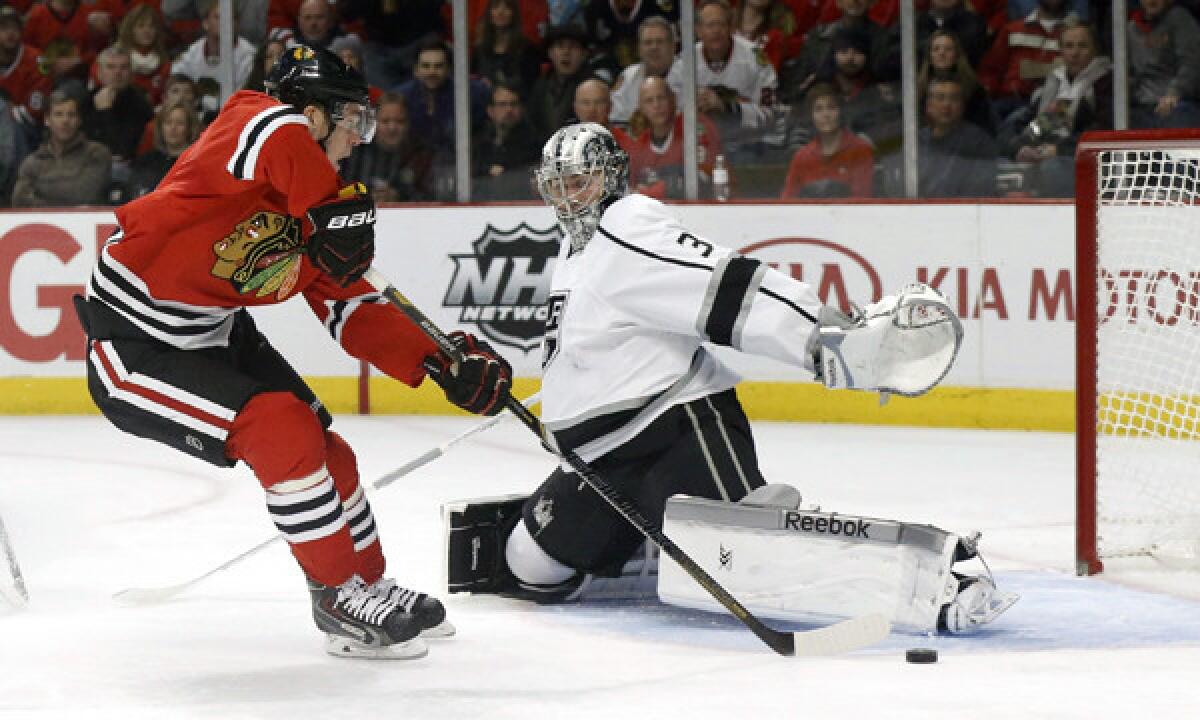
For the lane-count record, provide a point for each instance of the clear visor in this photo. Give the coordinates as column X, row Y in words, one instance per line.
column 571, row 189
column 359, row 119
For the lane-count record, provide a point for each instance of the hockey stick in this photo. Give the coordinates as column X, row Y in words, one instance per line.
column 153, row 595
column 840, row 637
column 18, row 595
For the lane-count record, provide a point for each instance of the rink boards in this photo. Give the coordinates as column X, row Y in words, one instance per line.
column 1007, row 268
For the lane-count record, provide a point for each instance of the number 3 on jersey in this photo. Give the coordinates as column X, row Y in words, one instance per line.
column 556, row 304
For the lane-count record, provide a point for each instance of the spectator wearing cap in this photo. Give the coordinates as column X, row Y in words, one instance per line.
column 68, row 169
column 349, row 48
column 506, row 150
column 836, row 163
column 799, row 74
column 392, row 32
column 613, row 28
column 551, row 102
column 735, row 84
column 869, row 107
column 656, row 50
column 20, row 76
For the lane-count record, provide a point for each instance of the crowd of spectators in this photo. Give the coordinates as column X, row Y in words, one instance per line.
column 802, row 98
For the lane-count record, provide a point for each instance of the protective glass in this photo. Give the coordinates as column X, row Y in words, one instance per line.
column 357, row 118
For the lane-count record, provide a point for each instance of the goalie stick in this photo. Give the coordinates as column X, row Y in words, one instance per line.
column 17, row 594
column 837, row 638
column 154, row 595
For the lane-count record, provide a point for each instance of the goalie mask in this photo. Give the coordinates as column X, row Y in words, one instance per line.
column 583, row 171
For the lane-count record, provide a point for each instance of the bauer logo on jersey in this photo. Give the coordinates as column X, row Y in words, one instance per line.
column 261, row 255
column 502, row 286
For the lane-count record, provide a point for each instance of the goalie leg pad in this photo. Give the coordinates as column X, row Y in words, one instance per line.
column 476, row 534
column 802, row 565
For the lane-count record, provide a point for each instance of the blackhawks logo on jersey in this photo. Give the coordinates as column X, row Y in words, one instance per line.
column 261, row 255
column 502, row 286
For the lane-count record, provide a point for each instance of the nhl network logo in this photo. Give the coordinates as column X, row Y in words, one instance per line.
column 502, row 286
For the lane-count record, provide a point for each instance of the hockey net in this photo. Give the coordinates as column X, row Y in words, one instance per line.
column 1138, row 349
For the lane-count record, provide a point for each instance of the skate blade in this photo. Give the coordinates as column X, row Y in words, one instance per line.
column 443, row 630
column 339, row 646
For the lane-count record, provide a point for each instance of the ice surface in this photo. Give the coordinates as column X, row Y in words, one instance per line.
column 92, row 511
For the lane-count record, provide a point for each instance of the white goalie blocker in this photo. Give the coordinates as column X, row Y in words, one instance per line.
column 903, row 344
column 787, row 563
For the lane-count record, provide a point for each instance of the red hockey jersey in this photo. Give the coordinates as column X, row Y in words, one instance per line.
column 225, row 229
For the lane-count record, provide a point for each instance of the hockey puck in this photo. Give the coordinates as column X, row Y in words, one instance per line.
column 921, row 656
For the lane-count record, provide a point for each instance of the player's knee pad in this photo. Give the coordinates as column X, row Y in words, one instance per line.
column 280, row 438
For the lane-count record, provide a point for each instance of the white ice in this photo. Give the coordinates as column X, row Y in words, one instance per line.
column 92, row 511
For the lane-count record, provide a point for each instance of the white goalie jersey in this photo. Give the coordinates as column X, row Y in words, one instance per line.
column 629, row 316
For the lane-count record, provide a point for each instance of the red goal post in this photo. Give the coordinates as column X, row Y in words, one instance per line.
column 1138, row 348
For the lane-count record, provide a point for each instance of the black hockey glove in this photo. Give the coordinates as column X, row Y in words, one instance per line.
column 479, row 383
column 342, row 244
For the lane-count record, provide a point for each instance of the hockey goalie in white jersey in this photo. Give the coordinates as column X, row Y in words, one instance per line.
column 630, row 385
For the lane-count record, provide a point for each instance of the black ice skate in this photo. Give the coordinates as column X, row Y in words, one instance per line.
column 360, row 622
column 429, row 611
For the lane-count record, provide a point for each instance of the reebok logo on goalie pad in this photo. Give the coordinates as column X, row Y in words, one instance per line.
column 826, row 525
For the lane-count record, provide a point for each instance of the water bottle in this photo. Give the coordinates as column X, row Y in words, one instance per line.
column 720, row 180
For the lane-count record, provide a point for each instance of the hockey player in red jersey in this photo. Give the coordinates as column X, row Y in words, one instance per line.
column 254, row 213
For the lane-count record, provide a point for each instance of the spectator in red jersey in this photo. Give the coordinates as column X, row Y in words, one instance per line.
column 176, row 127
column 770, row 25
column 89, row 26
column 68, row 169
column 502, row 55
column 656, row 153
column 20, row 76
column 144, row 34
column 837, row 163
column 1021, row 56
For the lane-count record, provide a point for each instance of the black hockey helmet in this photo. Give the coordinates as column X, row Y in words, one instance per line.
column 305, row 75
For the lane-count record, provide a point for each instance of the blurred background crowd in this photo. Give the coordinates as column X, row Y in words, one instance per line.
column 794, row 98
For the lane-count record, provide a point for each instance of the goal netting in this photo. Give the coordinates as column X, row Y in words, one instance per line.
column 1138, row 363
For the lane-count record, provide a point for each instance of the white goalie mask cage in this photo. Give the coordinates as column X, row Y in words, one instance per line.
column 583, row 170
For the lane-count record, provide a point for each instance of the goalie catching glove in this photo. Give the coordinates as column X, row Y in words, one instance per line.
column 342, row 243
column 903, row 344
column 478, row 383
